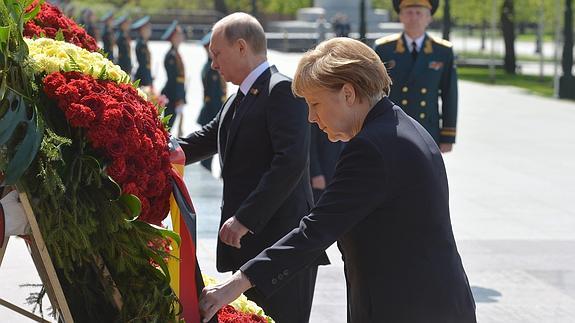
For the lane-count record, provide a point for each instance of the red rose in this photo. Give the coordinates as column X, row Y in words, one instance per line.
column 116, row 147
column 112, row 118
column 117, row 170
column 128, row 133
column 156, row 185
column 68, row 94
column 95, row 101
column 52, row 82
column 50, row 20
column 131, row 188
column 80, row 115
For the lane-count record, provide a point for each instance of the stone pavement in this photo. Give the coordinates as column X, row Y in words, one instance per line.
column 511, row 184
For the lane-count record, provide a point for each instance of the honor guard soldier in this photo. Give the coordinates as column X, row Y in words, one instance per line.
column 175, row 89
column 422, row 69
column 123, row 42
column 144, row 71
column 214, row 93
column 89, row 25
column 108, row 39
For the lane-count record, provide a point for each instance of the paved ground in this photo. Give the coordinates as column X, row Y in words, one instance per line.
column 511, row 183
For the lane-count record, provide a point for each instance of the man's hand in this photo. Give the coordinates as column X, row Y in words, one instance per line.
column 445, row 147
column 215, row 297
column 232, row 232
column 318, row 182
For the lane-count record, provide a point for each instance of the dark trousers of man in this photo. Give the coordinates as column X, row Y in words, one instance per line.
column 207, row 163
column 292, row 303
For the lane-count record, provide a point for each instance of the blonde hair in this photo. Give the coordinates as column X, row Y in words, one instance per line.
column 342, row 60
column 240, row 25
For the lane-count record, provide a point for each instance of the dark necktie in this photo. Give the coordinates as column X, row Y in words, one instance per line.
column 413, row 51
column 227, row 122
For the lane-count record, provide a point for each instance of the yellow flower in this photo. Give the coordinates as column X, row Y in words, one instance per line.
column 51, row 56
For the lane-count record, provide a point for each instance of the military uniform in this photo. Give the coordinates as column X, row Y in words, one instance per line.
column 124, row 47
column 214, row 93
column 417, row 85
column 175, row 86
column 144, row 71
column 108, row 41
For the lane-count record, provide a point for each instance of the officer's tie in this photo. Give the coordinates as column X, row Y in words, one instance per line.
column 413, row 51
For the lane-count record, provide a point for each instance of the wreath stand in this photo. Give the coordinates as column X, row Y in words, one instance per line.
column 47, row 272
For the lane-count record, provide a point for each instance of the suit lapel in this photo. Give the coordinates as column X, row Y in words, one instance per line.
column 256, row 90
column 225, row 110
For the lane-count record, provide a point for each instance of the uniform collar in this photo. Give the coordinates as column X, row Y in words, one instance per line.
column 418, row 42
column 253, row 76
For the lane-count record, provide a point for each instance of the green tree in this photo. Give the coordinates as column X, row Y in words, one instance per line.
column 508, row 29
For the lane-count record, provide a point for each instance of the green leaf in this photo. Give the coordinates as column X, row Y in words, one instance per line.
column 165, row 233
column 137, row 83
column 133, row 204
column 103, row 73
column 26, row 149
column 73, row 64
column 160, row 261
column 30, row 15
column 3, row 87
column 4, row 34
column 112, row 187
column 15, row 114
column 60, row 36
column 166, row 119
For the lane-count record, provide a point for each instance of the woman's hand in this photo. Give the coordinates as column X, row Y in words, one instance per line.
column 215, row 297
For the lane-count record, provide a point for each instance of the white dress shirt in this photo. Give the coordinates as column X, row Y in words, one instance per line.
column 418, row 42
column 253, row 76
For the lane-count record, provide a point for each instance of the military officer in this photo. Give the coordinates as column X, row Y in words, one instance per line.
column 108, row 39
column 214, row 93
column 174, row 89
column 144, row 72
column 123, row 41
column 422, row 69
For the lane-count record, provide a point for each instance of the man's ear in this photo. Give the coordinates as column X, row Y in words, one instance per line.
column 242, row 45
column 349, row 93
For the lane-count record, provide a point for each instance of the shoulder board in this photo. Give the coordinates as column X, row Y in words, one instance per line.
column 441, row 41
column 387, row 39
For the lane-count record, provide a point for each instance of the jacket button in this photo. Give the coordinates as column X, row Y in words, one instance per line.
column 423, row 90
column 286, row 272
column 404, row 102
column 422, row 116
column 280, row 276
column 423, row 103
column 404, row 89
column 274, row 281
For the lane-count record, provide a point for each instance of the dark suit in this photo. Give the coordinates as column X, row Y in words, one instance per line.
column 417, row 86
column 214, row 98
column 144, row 71
column 175, row 89
column 124, row 52
column 266, row 180
column 388, row 208
column 323, row 155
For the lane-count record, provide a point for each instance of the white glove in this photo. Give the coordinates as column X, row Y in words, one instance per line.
column 15, row 219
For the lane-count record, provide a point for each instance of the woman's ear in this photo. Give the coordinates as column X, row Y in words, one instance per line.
column 349, row 93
